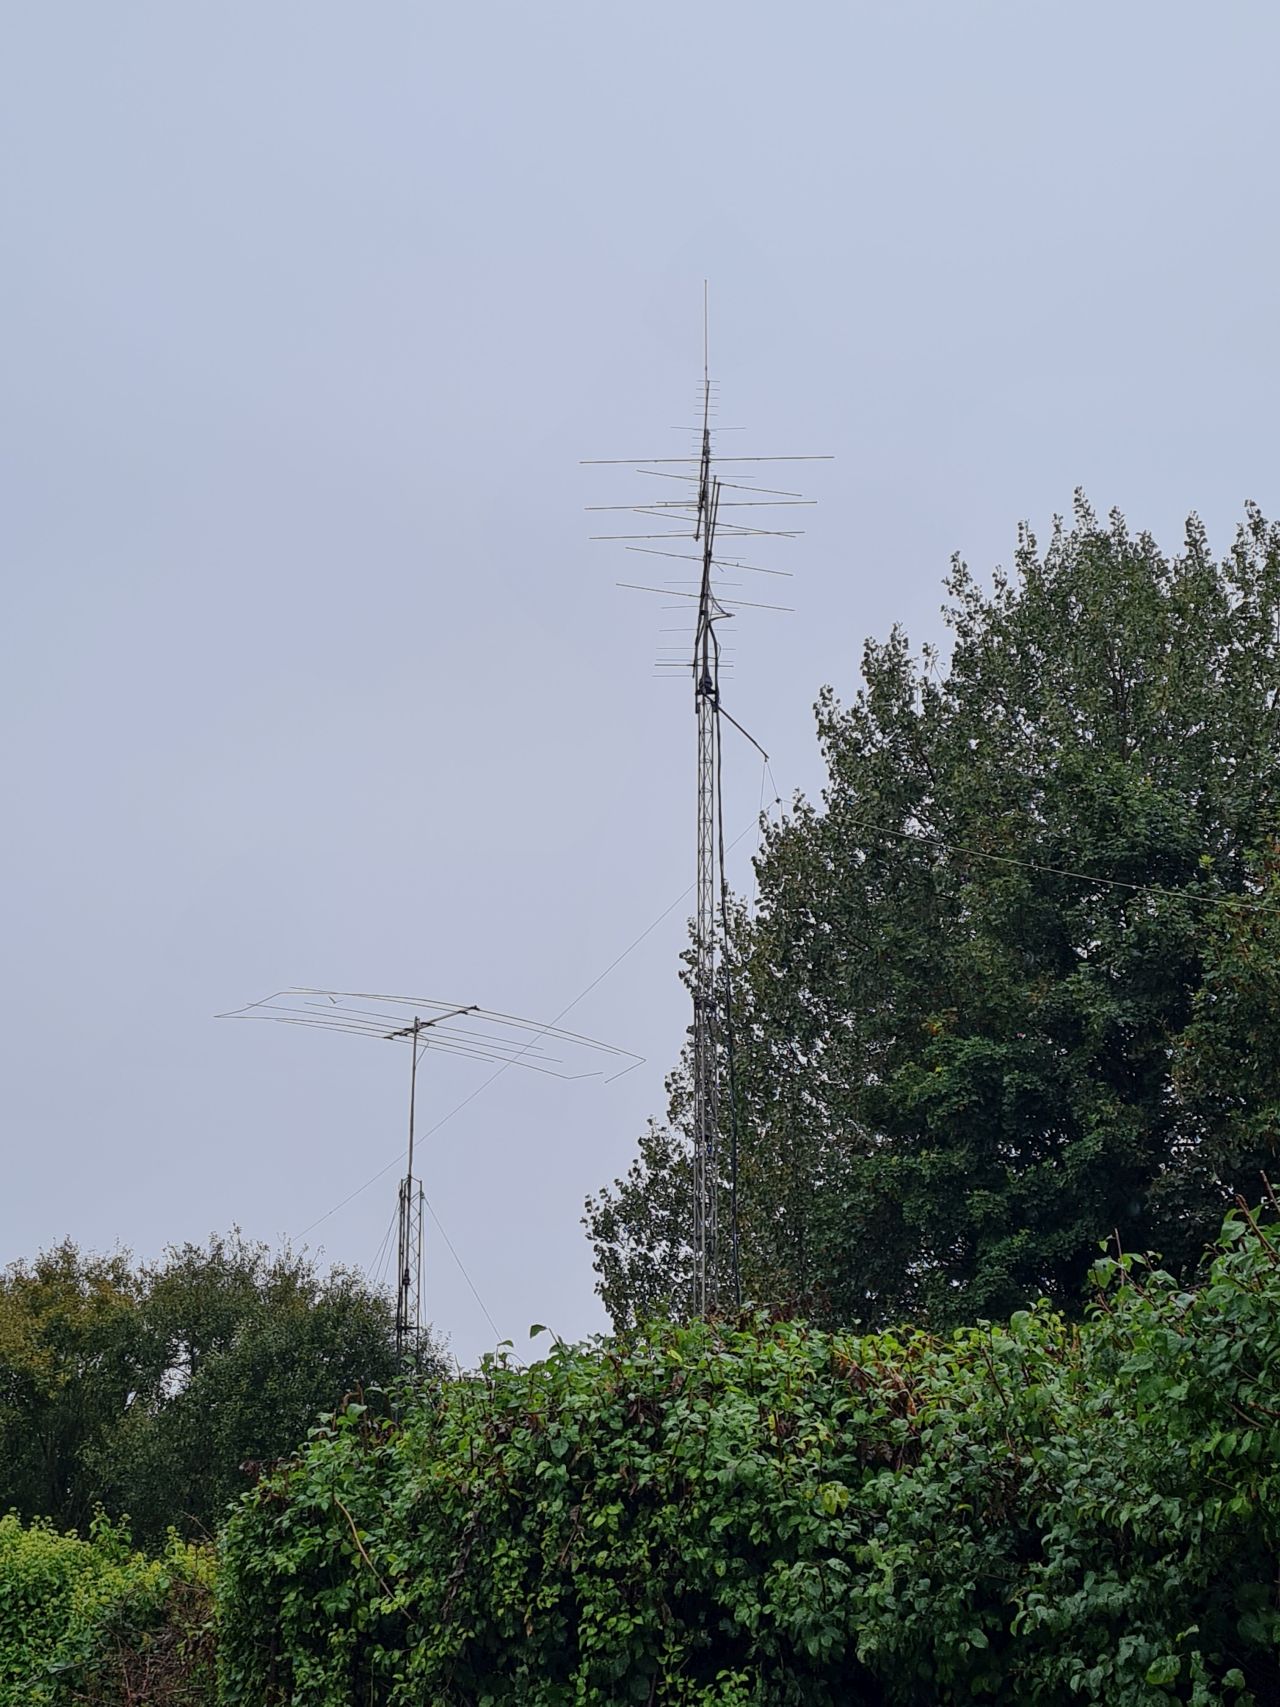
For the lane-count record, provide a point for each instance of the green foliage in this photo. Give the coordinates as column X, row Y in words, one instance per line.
column 1039, row 1511
column 92, row 1621
column 245, row 1349
column 70, row 1345
column 145, row 1389
column 1012, row 985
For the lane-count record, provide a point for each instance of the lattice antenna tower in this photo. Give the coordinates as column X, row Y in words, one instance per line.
column 698, row 514
column 447, row 1028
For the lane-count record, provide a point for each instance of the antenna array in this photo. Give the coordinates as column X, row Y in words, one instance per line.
column 696, row 518
column 445, row 1028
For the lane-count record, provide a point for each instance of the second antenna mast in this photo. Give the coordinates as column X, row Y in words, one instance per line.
column 468, row 1033
column 409, row 1241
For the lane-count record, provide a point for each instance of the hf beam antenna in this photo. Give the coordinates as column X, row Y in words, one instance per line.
column 446, row 1028
column 695, row 518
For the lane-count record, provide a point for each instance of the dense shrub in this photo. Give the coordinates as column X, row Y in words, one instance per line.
column 93, row 1621
column 1037, row 1512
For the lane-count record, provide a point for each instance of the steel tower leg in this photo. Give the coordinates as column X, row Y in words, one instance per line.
column 409, row 1289
column 705, row 1027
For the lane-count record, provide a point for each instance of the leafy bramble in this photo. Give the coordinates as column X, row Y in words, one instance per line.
column 1038, row 1511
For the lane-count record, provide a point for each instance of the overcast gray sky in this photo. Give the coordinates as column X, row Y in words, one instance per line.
column 309, row 673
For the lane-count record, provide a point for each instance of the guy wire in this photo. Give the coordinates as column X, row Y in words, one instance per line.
column 461, row 1269
column 1186, row 894
column 755, row 863
column 730, row 1052
column 380, row 1260
column 925, row 839
column 484, row 1084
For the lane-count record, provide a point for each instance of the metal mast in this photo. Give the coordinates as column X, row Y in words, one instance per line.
column 706, row 697
column 695, row 516
column 409, row 1247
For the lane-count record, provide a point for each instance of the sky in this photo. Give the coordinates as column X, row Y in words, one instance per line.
column 309, row 670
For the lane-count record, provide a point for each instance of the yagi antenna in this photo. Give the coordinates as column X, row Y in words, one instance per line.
column 699, row 519
column 443, row 1028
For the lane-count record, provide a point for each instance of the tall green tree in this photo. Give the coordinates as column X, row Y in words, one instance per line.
column 1010, row 986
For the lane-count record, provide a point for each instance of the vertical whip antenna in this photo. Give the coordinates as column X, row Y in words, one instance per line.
column 697, row 519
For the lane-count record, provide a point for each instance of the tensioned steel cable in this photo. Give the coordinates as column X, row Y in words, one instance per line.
column 498, row 1072
column 730, row 1052
column 383, row 1252
column 462, row 1267
column 766, row 775
column 922, row 836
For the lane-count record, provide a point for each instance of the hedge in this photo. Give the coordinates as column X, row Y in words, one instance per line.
column 1032, row 1512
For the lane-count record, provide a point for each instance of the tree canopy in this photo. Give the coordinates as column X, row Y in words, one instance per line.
column 144, row 1388
column 1010, row 984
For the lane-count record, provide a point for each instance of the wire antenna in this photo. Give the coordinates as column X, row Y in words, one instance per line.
column 446, row 1028
column 697, row 517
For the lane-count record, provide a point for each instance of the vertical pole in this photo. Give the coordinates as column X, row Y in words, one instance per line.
column 409, row 1246
column 413, row 1086
column 706, row 673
